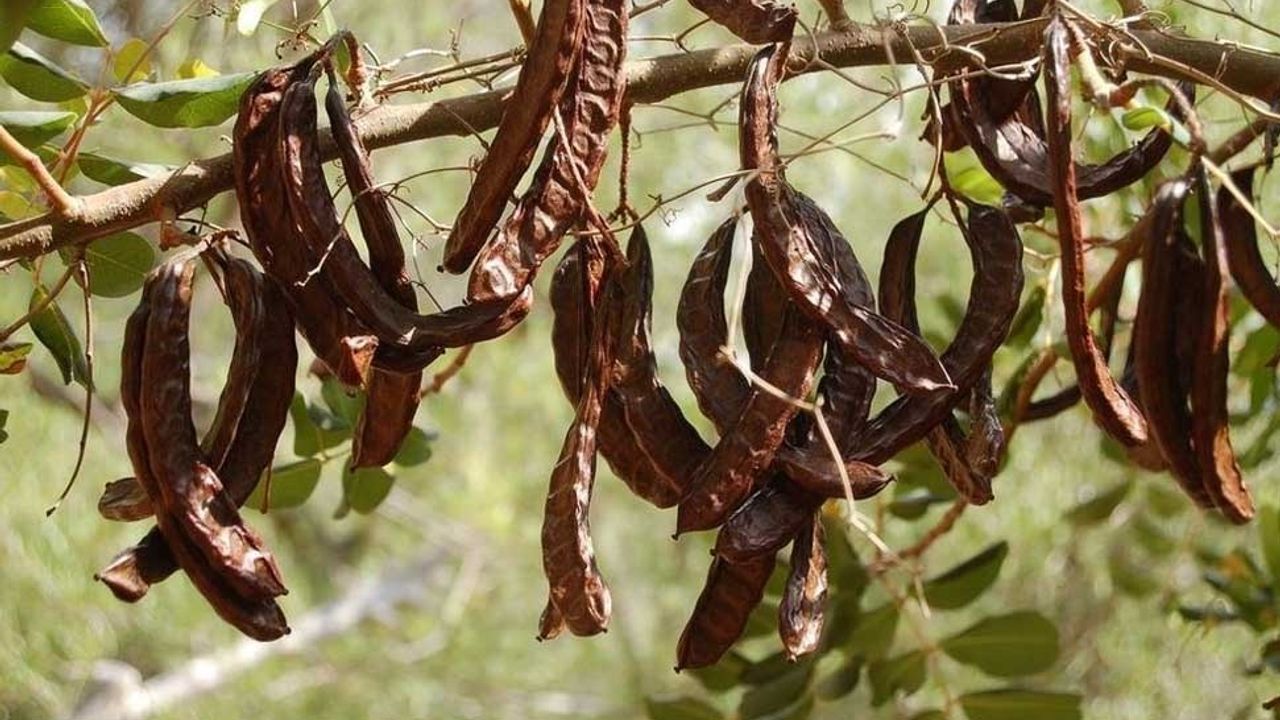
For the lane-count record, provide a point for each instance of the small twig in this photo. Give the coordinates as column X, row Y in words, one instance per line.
column 453, row 368
column 64, row 204
column 524, row 18
column 943, row 526
column 82, row 278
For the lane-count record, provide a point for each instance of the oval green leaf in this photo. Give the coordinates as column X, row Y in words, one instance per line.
column 199, row 102
column 1145, row 118
column 1099, row 507
column 680, row 708
column 965, row 582
column 840, row 681
column 13, row 18
column 110, row 171
column 288, row 485
column 38, row 77
column 71, row 21
column 783, row 691
column 366, row 488
column 873, row 635
column 415, row 450
column 1021, row 643
column 905, row 673
column 724, row 675
column 35, row 128
column 58, row 337
column 1016, row 704
column 118, row 264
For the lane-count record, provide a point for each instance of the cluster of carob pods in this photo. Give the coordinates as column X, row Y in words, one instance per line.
column 807, row 305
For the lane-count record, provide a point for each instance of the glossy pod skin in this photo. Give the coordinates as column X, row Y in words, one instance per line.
column 1240, row 236
column 802, row 612
column 1210, row 424
column 1112, row 407
column 392, row 398
column 544, row 76
column 259, row 618
column 558, row 197
column 729, row 595
column 884, row 347
column 754, row 21
column 1014, row 150
column 132, row 572
column 277, row 242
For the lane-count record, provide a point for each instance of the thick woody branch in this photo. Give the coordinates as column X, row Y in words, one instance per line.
column 1247, row 71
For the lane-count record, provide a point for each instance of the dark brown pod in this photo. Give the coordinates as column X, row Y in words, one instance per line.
column 732, row 591
column 802, row 612
column 754, row 21
column 543, row 78
column 1240, row 236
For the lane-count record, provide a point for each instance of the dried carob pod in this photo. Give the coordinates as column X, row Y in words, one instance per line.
column 754, row 21
column 331, row 331
column 392, row 398
column 886, row 348
column 578, row 592
column 560, row 194
column 1210, row 421
column 544, row 76
column 1112, row 407
column 802, row 612
column 1240, row 237
column 731, row 592
column 400, row 331
column 659, row 477
column 1156, row 357
column 148, row 342
column 1016, row 154
column 133, row 571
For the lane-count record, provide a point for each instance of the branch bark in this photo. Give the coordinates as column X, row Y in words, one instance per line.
column 1245, row 70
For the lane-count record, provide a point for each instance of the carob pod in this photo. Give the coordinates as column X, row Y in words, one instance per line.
column 1240, row 237
column 721, row 388
column 802, row 612
column 560, row 194
column 1210, row 420
column 133, row 571
column 189, row 489
column 331, row 331
column 242, row 287
column 884, row 347
column 995, row 249
column 258, row 618
column 401, row 331
column 1156, row 357
column 729, row 595
column 660, row 478
column 544, row 76
column 392, row 398
column 947, row 441
column 754, row 21
column 1112, row 407
column 1016, row 154
column 578, row 593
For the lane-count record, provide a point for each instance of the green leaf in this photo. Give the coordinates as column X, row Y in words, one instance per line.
column 1151, row 536
column 1099, row 507
column 38, row 77
column 1021, row 643
column 341, row 402
column 13, row 358
column 912, row 503
column 971, row 179
column 4, row 420
column 118, row 264
column 290, row 485
column 1027, row 322
column 35, row 128
column 724, row 675
column 779, row 694
column 766, row 669
column 315, row 429
column 965, row 582
column 1016, row 704
column 905, row 673
column 366, row 488
column 1260, row 346
column 132, row 63
column 680, row 708
column 1145, row 118
column 846, row 571
column 762, row 621
column 57, row 336
column 1131, row 578
column 415, row 450
column 873, row 635
column 13, row 18
column 199, row 102
column 839, row 682
column 68, row 20
column 110, row 171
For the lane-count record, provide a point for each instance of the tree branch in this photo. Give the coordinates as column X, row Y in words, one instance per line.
column 1245, row 70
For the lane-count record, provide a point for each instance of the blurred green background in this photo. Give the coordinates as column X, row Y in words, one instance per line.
column 428, row 606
